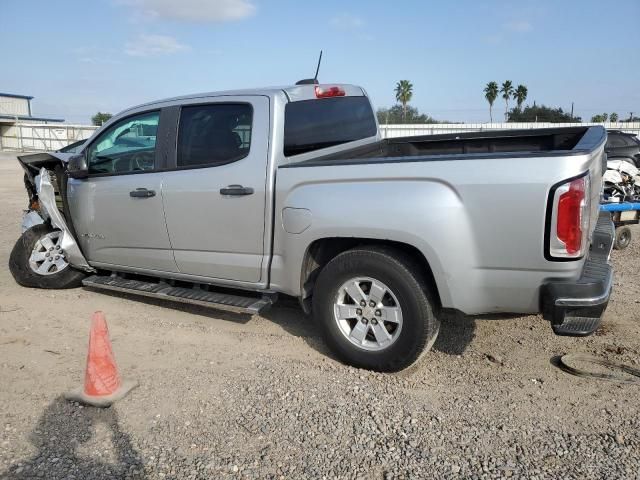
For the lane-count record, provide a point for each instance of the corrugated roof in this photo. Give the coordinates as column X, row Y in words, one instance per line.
column 33, row 119
column 15, row 95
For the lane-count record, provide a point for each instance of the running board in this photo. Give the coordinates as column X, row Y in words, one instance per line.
column 164, row 291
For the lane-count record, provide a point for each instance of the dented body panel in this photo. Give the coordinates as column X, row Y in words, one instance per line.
column 46, row 198
column 46, row 203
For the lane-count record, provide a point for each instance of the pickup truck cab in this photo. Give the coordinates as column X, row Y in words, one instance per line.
column 229, row 199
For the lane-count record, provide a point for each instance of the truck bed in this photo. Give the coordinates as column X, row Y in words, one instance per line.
column 454, row 146
column 475, row 204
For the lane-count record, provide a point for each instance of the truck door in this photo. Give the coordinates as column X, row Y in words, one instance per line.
column 215, row 197
column 117, row 211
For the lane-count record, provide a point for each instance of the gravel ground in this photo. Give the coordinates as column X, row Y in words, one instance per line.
column 231, row 396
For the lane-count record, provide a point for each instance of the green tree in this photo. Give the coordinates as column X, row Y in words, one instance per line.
column 535, row 113
column 397, row 114
column 491, row 93
column 507, row 92
column 601, row 118
column 520, row 95
column 404, row 92
column 100, row 118
column 614, row 117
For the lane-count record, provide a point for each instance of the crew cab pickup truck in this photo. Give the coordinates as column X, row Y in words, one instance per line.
column 230, row 199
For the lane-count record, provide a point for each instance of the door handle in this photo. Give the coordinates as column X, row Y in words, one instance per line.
column 236, row 190
column 142, row 193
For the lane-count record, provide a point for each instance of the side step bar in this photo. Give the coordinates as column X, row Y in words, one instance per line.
column 576, row 326
column 195, row 295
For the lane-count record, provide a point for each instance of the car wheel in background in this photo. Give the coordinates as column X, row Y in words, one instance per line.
column 623, row 238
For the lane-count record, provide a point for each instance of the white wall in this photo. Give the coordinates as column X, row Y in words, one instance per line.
column 390, row 131
column 41, row 137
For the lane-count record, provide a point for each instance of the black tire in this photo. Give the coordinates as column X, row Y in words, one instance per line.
column 623, row 238
column 25, row 276
column 409, row 284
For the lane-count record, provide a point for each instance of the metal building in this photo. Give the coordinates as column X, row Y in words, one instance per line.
column 18, row 108
column 21, row 130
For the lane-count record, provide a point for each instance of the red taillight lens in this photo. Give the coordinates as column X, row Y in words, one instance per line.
column 570, row 210
column 326, row 92
column 570, row 219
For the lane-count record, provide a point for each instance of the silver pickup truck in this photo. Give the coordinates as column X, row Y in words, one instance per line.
column 229, row 199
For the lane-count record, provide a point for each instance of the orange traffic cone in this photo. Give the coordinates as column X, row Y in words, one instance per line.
column 102, row 384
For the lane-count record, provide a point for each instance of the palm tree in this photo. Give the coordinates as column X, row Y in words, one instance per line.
column 404, row 92
column 520, row 95
column 491, row 93
column 614, row 117
column 507, row 92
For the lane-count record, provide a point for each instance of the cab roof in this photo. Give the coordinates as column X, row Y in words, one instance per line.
column 293, row 93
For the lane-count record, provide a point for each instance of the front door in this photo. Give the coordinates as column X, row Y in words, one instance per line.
column 117, row 211
column 215, row 199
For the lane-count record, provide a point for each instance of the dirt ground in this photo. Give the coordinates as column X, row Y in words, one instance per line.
column 226, row 395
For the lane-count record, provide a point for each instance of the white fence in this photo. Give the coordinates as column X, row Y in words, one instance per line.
column 390, row 131
column 41, row 136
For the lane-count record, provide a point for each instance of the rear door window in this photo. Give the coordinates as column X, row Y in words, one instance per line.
column 314, row 124
column 615, row 141
column 214, row 134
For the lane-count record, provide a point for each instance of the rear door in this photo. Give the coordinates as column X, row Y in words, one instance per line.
column 117, row 211
column 215, row 197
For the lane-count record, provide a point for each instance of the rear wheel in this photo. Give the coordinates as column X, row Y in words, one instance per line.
column 374, row 308
column 623, row 238
column 38, row 260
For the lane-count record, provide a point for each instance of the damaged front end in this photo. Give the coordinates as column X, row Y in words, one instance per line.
column 45, row 180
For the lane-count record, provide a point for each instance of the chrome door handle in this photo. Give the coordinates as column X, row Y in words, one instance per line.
column 142, row 193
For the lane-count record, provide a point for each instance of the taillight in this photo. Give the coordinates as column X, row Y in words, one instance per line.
column 326, row 92
column 570, row 219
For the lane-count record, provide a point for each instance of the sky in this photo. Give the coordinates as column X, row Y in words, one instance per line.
column 79, row 57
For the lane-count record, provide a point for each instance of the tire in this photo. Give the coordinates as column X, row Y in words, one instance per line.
column 24, row 274
column 623, row 238
column 407, row 286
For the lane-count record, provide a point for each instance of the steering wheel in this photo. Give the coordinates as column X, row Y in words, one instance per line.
column 142, row 161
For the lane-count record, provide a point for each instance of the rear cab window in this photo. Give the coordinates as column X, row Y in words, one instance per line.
column 615, row 141
column 320, row 123
column 632, row 140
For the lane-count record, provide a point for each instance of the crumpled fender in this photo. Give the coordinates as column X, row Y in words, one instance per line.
column 30, row 220
column 47, row 198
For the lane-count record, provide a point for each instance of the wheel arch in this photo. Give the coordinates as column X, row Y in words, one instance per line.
column 323, row 250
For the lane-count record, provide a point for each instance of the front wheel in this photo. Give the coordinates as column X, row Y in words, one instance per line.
column 38, row 260
column 374, row 308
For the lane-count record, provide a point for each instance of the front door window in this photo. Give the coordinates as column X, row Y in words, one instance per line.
column 127, row 146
